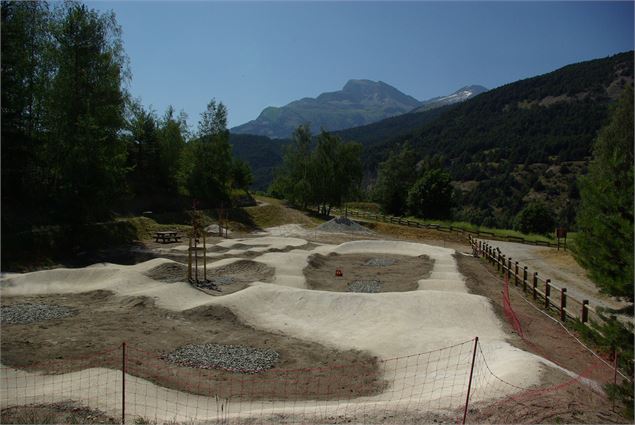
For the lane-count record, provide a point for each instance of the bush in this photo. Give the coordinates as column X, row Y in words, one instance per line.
column 535, row 218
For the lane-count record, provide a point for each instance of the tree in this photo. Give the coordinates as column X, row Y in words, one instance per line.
column 396, row 175
column 26, row 73
column 241, row 175
column 172, row 134
column 210, row 156
column 535, row 218
column 604, row 245
column 84, row 115
column 143, row 150
column 292, row 177
column 431, row 195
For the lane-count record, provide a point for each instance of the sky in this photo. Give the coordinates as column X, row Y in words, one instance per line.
column 251, row 55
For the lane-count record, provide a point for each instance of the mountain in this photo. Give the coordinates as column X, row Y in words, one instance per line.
column 359, row 102
column 525, row 140
column 458, row 96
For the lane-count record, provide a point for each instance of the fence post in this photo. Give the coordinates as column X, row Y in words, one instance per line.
column 585, row 311
column 547, row 293
column 614, row 375
column 516, row 275
column 563, row 304
column 123, row 382
column 469, row 383
column 535, row 285
column 509, row 267
column 525, row 279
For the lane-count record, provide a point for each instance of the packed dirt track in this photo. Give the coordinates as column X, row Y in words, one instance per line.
column 405, row 351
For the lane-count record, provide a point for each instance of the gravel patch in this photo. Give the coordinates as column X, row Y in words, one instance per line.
column 372, row 286
column 18, row 314
column 380, row 262
column 168, row 273
column 343, row 225
column 232, row 357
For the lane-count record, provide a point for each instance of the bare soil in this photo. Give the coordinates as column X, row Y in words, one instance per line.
column 574, row 403
column 398, row 277
column 56, row 413
column 104, row 321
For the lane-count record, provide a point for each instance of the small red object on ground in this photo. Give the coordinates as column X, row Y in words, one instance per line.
column 338, row 272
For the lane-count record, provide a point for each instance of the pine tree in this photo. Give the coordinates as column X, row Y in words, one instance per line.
column 605, row 220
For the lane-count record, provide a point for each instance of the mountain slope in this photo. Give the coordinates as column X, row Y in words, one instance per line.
column 507, row 146
column 359, row 102
column 261, row 153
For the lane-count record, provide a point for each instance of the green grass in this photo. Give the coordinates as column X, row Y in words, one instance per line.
column 371, row 207
column 498, row 233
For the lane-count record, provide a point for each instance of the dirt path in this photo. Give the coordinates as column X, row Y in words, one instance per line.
column 561, row 268
column 574, row 403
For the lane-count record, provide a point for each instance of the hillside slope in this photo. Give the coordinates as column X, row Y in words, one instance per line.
column 525, row 140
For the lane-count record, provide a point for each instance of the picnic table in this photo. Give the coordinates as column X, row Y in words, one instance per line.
column 167, row 236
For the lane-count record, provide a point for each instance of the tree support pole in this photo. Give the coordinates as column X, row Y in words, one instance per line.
column 469, row 384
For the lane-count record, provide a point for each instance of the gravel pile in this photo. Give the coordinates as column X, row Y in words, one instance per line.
column 380, row 262
column 216, row 356
column 343, row 225
column 168, row 273
column 30, row 313
column 372, row 286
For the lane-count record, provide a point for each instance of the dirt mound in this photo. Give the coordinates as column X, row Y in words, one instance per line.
column 168, row 273
column 343, row 225
column 243, row 271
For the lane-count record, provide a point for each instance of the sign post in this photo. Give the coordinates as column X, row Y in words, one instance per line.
column 561, row 233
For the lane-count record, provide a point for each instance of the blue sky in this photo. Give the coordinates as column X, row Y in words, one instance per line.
column 250, row 55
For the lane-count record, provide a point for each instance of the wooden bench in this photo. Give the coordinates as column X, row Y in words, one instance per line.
column 167, row 237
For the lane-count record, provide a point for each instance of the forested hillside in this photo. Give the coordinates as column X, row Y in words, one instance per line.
column 528, row 140
column 261, row 153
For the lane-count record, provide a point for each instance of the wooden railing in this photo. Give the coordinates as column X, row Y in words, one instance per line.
column 440, row 227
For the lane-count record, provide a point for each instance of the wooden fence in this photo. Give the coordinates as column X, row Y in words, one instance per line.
column 540, row 289
column 442, row 228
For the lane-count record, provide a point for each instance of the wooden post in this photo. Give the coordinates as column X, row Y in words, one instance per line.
column 547, row 293
column 525, row 279
column 196, row 258
column 469, row 382
column 123, row 382
column 204, row 259
column 516, row 274
column 535, row 285
column 563, row 304
column 585, row 311
column 509, row 267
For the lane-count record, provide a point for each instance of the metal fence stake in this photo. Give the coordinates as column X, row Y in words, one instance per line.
column 123, row 382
